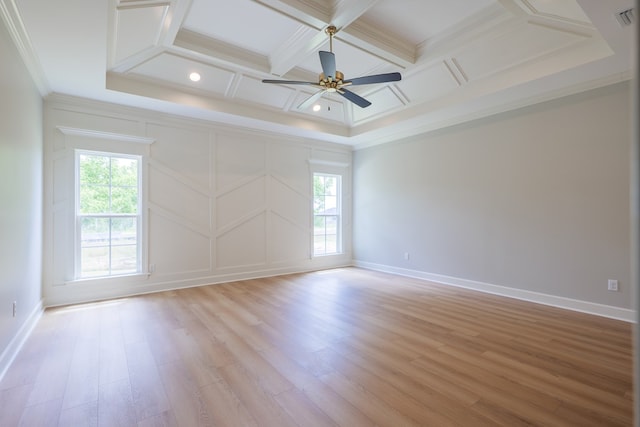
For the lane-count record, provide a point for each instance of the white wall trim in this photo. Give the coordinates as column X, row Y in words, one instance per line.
column 11, row 351
column 75, row 293
column 105, row 135
column 10, row 14
column 521, row 294
column 318, row 162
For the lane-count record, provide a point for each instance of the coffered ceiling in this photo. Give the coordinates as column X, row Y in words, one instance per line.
column 459, row 59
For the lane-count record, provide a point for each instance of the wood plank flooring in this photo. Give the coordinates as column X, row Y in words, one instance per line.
column 344, row 347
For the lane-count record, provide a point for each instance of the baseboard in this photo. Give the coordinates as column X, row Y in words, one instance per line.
column 78, row 293
column 540, row 298
column 10, row 353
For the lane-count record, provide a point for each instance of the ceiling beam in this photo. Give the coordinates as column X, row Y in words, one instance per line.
column 380, row 44
column 313, row 17
column 303, row 43
column 310, row 37
column 348, row 11
column 309, row 12
column 220, row 52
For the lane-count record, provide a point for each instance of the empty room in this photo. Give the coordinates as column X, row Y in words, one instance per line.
column 318, row 213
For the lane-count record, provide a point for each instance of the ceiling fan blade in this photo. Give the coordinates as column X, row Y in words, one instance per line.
column 376, row 78
column 290, row 82
column 355, row 98
column 328, row 61
column 310, row 100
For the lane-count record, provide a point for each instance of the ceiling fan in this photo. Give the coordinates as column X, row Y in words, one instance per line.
column 331, row 80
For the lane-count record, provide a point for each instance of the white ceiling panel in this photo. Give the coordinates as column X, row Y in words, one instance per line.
column 430, row 83
column 563, row 9
column 451, row 54
column 174, row 68
column 244, row 23
column 512, row 48
column 253, row 90
column 382, row 100
column 137, row 29
column 419, row 20
column 331, row 107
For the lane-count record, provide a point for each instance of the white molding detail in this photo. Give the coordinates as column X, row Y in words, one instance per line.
column 319, row 162
column 521, row 294
column 164, row 213
column 105, row 135
column 179, row 177
column 84, row 294
column 10, row 14
column 241, row 220
column 13, row 348
column 532, row 10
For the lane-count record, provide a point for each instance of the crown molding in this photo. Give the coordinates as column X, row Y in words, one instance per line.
column 13, row 22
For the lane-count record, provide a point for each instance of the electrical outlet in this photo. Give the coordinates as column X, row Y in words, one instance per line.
column 612, row 285
column 406, row 256
column 15, row 308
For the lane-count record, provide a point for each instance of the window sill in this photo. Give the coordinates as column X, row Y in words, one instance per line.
column 327, row 255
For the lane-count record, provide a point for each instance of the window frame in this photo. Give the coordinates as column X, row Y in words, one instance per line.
column 339, row 214
column 139, row 216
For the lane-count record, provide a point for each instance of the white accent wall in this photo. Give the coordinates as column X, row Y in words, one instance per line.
column 533, row 203
column 222, row 203
column 20, row 200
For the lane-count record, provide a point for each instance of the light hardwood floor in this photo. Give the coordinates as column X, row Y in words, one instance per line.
column 345, row 347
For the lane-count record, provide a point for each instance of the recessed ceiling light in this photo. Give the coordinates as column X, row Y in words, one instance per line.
column 195, row 77
column 316, row 108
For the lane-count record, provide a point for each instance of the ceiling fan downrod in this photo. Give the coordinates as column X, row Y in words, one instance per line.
column 331, row 30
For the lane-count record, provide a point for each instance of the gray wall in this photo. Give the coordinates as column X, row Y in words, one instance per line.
column 20, row 195
column 535, row 199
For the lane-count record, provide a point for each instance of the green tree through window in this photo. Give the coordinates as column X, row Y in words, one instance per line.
column 108, row 214
column 326, row 214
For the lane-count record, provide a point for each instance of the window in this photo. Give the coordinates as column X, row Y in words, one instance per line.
column 326, row 214
column 108, row 219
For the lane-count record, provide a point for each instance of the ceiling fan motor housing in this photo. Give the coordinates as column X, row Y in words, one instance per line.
column 331, row 84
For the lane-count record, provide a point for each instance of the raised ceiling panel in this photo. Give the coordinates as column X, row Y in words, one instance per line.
column 512, row 48
column 331, row 106
column 419, row 20
column 428, row 84
column 254, row 90
column 559, row 9
column 176, row 69
column 137, row 29
column 243, row 23
column 382, row 101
